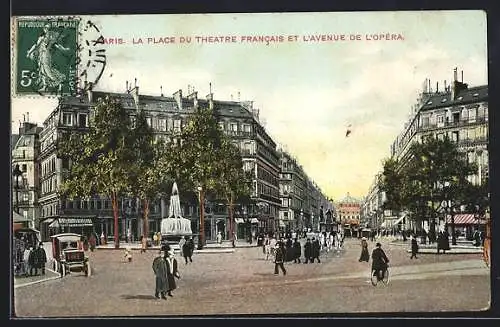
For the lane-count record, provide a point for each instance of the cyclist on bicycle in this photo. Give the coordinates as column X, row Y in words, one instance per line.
column 379, row 261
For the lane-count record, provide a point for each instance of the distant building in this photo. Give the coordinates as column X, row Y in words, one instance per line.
column 349, row 212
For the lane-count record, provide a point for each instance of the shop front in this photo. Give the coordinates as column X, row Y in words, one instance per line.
column 83, row 225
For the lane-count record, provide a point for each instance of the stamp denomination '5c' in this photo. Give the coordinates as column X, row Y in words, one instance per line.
column 46, row 56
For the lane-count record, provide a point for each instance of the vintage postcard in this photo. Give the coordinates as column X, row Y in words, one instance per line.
column 264, row 164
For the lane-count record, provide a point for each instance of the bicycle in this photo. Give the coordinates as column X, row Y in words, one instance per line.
column 382, row 276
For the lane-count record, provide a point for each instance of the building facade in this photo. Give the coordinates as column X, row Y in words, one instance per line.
column 166, row 115
column 458, row 112
column 26, row 186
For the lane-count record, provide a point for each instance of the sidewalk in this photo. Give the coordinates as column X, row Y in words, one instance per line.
column 225, row 247
column 432, row 248
column 30, row 280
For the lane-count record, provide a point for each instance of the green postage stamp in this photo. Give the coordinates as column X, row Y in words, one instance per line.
column 45, row 56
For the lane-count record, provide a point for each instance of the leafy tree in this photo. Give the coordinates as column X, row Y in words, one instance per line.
column 197, row 152
column 100, row 159
column 148, row 179
column 234, row 182
column 434, row 170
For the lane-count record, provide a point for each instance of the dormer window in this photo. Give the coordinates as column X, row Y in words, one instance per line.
column 443, row 100
column 430, row 102
column 460, row 98
column 475, row 94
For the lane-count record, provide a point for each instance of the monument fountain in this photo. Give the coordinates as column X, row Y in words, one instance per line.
column 175, row 226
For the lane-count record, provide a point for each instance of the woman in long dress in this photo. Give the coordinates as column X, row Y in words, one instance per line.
column 365, row 255
column 172, row 272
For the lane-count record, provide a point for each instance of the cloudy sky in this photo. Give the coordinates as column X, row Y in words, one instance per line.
column 308, row 92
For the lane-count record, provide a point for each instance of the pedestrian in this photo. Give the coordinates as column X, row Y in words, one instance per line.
column 234, row 240
column 185, row 249
column 219, row 238
column 414, row 247
column 92, row 241
column 160, row 271
column 189, row 249
column 279, row 258
column 182, row 241
column 128, row 254
column 26, row 260
column 308, row 251
column 41, row 258
column 155, row 239
column 365, row 255
column 144, row 244
column 172, row 272
column 32, row 261
column 297, row 249
column 265, row 244
column 315, row 250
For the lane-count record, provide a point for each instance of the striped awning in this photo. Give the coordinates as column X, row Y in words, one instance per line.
column 72, row 222
column 465, row 219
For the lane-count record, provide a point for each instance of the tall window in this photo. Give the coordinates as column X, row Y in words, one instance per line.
column 234, row 127
column 162, row 124
column 67, row 119
column 177, row 125
column 82, row 120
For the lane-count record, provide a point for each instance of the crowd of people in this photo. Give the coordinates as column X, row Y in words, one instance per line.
column 288, row 248
column 29, row 258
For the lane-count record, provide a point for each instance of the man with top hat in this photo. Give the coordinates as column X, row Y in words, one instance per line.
column 160, row 270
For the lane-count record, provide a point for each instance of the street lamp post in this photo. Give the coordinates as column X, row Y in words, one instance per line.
column 17, row 172
column 201, row 234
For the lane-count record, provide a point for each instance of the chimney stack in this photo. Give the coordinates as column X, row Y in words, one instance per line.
column 455, row 72
column 210, row 98
column 445, row 89
column 437, row 87
column 194, row 96
column 462, row 76
column 135, row 93
column 178, row 98
column 161, row 90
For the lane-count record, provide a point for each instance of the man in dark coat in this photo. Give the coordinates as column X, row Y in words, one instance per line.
column 379, row 260
column 414, row 247
column 308, row 251
column 41, row 258
column 297, row 251
column 315, row 250
column 160, row 270
column 188, row 249
column 172, row 272
column 279, row 258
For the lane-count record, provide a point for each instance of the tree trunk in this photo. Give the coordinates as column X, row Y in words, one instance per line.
column 201, row 236
column 145, row 215
column 114, row 205
column 231, row 219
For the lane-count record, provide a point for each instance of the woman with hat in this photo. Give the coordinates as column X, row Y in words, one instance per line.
column 365, row 255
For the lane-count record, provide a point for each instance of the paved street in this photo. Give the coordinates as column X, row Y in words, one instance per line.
column 243, row 283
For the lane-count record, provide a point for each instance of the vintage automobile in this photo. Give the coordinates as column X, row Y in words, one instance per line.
column 68, row 254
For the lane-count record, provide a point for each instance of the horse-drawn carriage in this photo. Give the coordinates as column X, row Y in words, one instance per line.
column 68, row 254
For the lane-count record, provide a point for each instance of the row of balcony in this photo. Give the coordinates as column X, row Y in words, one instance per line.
column 456, row 123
